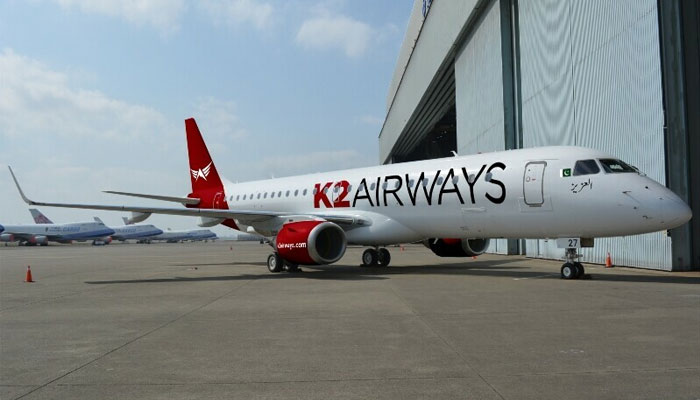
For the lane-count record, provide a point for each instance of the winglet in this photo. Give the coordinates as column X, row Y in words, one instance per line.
column 21, row 193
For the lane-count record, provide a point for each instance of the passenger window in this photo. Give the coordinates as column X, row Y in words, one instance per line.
column 238, row 197
column 586, row 167
column 455, row 180
column 384, row 185
column 272, row 195
column 265, row 195
column 372, row 186
column 411, row 182
column 439, row 181
column 349, row 188
column 613, row 166
column 244, row 197
column 286, row 195
column 296, row 192
column 304, row 192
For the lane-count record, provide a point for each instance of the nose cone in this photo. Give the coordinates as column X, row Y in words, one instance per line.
column 675, row 211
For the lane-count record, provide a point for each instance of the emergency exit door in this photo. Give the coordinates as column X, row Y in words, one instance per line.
column 533, row 183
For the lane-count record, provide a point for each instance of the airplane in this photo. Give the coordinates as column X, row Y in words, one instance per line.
column 454, row 205
column 44, row 232
column 180, row 236
column 137, row 232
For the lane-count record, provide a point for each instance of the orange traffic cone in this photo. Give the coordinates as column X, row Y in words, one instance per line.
column 608, row 261
column 28, row 278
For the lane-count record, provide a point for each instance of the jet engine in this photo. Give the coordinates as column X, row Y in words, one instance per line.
column 457, row 247
column 311, row 242
column 7, row 237
column 137, row 217
column 38, row 239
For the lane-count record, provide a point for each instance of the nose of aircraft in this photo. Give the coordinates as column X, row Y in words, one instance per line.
column 675, row 212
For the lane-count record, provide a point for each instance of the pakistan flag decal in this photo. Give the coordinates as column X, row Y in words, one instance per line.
column 566, row 172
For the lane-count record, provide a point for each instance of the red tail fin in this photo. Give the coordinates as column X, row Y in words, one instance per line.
column 203, row 172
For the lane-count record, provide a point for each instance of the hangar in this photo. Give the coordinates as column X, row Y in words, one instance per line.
column 620, row 76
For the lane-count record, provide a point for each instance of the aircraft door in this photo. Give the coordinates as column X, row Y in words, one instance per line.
column 533, row 183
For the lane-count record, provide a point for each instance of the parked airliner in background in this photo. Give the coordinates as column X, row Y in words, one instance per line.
column 454, row 205
column 44, row 232
column 133, row 232
column 182, row 236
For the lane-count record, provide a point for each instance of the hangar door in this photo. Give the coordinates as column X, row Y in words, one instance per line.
column 533, row 183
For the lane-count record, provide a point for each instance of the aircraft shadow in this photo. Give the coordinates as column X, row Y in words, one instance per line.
column 493, row 268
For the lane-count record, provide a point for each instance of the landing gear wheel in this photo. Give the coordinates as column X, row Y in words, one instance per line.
column 580, row 271
column 275, row 263
column 370, row 258
column 291, row 267
column 384, row 257
column 569, row 271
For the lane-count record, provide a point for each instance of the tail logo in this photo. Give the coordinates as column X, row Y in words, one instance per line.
column 201, row 173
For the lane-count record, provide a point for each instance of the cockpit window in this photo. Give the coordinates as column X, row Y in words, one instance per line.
column 611, row 166
column 586, row 167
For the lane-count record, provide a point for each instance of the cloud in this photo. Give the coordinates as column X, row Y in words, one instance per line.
column 238, row 12
column 163, row 15
column 38, row 102
column 217, row 120
column 328, row 31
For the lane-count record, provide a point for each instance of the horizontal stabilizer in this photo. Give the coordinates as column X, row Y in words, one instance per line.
column 183, row 200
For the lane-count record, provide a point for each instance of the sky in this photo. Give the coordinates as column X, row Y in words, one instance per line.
column 94, row 93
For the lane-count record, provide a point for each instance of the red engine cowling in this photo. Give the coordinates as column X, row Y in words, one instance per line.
column 39, row 239
column 311, row 242
column 7, row 237
column 457, row 247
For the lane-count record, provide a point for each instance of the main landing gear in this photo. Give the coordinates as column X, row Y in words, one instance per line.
column 275, row 264
column 376, row 257
column 572, row 268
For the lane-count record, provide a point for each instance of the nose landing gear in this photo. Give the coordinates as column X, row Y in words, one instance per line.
column 572, row 268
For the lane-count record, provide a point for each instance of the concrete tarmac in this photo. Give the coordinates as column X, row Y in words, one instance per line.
column 207, row 320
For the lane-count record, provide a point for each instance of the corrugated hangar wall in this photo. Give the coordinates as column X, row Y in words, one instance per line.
column 526, row 73
column 591, row 76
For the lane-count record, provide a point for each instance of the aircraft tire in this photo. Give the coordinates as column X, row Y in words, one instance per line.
column 568, row 271
column 384, row 257
column 370, row 258
column 580, row 271
column 275, row 263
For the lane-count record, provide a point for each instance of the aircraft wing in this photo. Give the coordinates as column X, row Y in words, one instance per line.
column 247, row 217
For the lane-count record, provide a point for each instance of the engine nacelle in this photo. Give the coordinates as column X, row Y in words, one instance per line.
column 7, row 237
column 311, row 242
column 207, row 222
column 137, row 217
column 39, row 239
column 457, row 247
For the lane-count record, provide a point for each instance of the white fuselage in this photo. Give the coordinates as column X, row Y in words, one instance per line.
column 176, row 236
column 78, row 231
column 510, row 194
column 135, row 232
